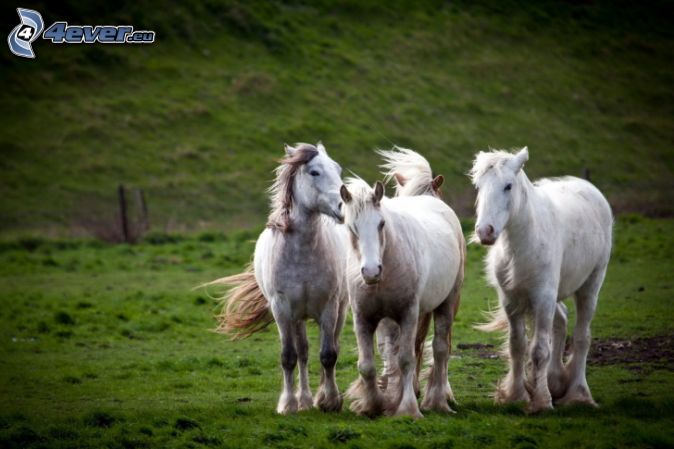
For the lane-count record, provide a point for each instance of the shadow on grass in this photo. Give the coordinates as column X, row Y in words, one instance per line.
column 628, row 407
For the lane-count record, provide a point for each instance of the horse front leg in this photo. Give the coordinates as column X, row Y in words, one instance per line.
column 328, row 398
column 367, row 399
column 544, row 309
column 287, row 402
column 511, row 388
column 407, row 405
column 556, row 376
column 438, row 390
column 387, row 343
column 303, row 395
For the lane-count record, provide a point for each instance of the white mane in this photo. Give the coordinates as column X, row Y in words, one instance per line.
column 411, row 166
column 361, row 194
column 485, row 161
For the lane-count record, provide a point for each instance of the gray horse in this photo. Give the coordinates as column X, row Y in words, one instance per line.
column 297, row 274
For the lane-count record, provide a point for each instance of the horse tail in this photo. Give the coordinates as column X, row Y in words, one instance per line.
column 497, row 321
column 411, row 171
column 245, row 310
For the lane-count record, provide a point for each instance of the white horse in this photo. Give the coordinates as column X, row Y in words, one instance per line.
column 405, row 260
column 549, row 240
column 413, row 176
column 298, row 273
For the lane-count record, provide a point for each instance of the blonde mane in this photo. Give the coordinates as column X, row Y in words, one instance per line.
column 410, row 166
column 361, row 197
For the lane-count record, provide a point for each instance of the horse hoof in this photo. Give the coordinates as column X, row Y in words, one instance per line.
column 537, row 407
column 577, row 395
column 501, row 397
column 287, row 406
column 416, row 414
column 438, row 406
column 305, row 402
column 371, row 410
column 327, row 403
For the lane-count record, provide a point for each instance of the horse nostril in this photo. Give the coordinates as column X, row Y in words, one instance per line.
column 379, row 272
column 490, row 230
column 339, row 206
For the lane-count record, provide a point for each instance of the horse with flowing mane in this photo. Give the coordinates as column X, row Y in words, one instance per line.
column 405, row 261
column 549, row 240
column 413, row 176
column 298, row 273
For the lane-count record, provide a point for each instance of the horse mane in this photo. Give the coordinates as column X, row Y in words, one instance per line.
column 361, row 195
column 410, row 166
column 281, row 191
column 485, row 161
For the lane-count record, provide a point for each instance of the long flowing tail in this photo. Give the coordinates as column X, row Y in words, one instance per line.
column 498, row 321
column 411, row 171
column 245, row 310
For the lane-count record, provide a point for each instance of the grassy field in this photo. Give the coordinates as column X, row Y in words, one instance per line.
column 198, row 119
column 107, row 346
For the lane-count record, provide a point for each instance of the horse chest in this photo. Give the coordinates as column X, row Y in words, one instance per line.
column 305, row 279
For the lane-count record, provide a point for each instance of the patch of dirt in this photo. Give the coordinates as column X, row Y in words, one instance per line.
column 484, row 351
column 655, row 352
column 658, row 352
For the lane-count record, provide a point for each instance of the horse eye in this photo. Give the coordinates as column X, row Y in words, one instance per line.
column 508, row 187
column 381, row 225
column 314, row 173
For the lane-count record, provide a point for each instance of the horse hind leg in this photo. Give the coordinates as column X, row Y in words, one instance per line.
column 304, row 398
column 586, row 297
column 557, row 381
column 388, row 333
column 438, row 391
column 419, row 346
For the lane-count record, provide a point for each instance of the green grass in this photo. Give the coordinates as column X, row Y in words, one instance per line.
column 198, row 119
column 104, row 345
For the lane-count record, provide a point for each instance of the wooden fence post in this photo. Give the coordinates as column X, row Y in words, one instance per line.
column 122, row 213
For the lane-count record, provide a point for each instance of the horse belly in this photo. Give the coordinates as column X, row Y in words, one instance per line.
column 442, row 274
column 576, row 268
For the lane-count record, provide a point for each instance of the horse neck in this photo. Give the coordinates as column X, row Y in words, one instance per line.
column 392, row 232
column 519, row 231
column 304, row 223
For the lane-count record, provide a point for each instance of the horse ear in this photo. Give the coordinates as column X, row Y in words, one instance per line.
column 437, row 182
column 378, row 192
column 320, row 147
column 289, row 150
column 520, row 158
column 345, row 194
column 400, row 179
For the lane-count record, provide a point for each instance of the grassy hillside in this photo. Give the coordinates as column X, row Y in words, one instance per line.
column 198, row 119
